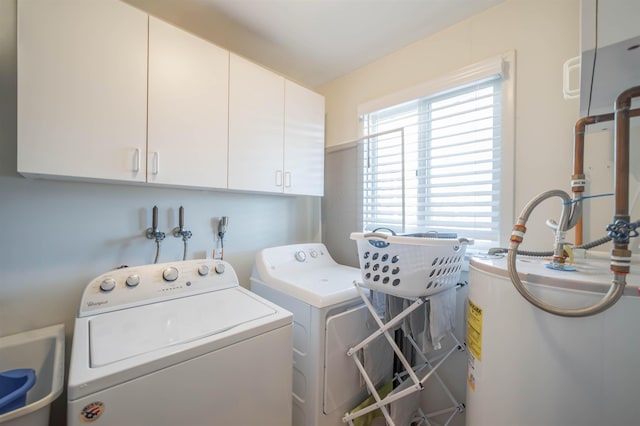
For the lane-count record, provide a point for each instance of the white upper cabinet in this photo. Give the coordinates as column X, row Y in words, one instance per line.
column 82, row 89
column 276, row 132
column 615, row 20
column 610, row 60
column 188, row 109
column 106, row 92
column 256, row 127
column 304, row 141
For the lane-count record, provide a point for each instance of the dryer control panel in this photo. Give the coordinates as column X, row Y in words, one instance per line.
column 305, row 256
column 306, row 272
column 141, row 285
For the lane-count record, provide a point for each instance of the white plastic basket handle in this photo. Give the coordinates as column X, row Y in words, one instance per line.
column 381, row 236
column 376, row 236
column 378, row 239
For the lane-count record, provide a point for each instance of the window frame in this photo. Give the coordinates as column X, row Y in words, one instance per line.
column 504, row 65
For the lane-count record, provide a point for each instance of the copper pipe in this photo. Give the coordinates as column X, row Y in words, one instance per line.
column 578, row 156
column 578, row 166
column 580, row 130
column 619, row 230
column 621, row 157
column 579, row 232
column 621, row 255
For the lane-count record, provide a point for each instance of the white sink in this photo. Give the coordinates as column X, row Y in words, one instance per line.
column 43, row 351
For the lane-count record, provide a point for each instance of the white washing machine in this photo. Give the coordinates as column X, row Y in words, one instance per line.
column 531, row 368
column 329, row 318
column 179, row 344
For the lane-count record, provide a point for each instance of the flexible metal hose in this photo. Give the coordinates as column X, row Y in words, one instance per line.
column 595, row 243
column 612, row 296
column 157, row 251
column 617, row 286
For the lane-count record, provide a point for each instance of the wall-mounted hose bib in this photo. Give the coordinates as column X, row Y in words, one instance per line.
column 154, row 234
column 223, row 225
column 179, row 231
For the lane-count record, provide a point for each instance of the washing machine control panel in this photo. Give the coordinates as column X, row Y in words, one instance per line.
column 141, row 285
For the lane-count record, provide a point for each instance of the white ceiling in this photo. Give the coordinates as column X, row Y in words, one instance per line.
column 313, row 41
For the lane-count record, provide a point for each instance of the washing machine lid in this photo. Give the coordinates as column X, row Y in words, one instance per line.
column 123, row 334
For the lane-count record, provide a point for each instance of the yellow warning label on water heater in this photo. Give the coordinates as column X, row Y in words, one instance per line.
column 474, row 329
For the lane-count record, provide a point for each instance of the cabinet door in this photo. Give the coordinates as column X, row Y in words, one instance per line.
column 303, row 141
column 256, row 127
column 82, row 89
column 617, row 21
column 188, row 109
column 610, row 64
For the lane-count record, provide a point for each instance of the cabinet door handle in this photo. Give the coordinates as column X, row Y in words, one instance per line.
column 156, row 163
column 136, row 160
column 278, row 177
column 287, row 179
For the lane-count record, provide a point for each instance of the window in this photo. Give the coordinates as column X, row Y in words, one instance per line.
column 435, row 163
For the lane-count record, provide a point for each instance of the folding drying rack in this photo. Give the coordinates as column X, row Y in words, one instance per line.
column 414, row 267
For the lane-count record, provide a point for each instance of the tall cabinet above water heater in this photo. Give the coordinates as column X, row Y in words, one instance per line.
column 610, row 59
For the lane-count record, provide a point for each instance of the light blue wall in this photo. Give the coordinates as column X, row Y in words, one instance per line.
column 56, row 236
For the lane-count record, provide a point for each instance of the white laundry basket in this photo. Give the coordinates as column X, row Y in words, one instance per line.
column 409, row 266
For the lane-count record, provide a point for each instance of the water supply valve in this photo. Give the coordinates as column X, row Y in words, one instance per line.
column 179, row 231
column 153, row 232
column 621, row 231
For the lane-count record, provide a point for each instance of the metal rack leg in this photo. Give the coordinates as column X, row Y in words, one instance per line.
column 374, row 392
column 432, row 369
column 384, row 330
column 457, row 406
column 418, row 384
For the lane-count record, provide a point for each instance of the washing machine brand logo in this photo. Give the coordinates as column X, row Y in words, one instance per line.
column 97, row 304
column 91, row 412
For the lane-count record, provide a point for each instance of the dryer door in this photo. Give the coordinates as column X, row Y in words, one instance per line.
column 343, row 386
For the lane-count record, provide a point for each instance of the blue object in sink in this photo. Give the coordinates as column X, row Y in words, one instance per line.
column 14, row 385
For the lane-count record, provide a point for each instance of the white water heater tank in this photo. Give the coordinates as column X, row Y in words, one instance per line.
column 531, row 368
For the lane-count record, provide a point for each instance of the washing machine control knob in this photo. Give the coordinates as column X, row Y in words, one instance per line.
column 170, row 274
column 108, row 284
column 313, row 253
column 133, row 280
column 301, row 256
column 220, row 268
column 203, row 270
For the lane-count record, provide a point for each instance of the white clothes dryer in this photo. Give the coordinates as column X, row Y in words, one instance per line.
column 329, row 318
column 179, row 344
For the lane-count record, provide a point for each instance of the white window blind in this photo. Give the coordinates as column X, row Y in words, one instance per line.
column 434, row 164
